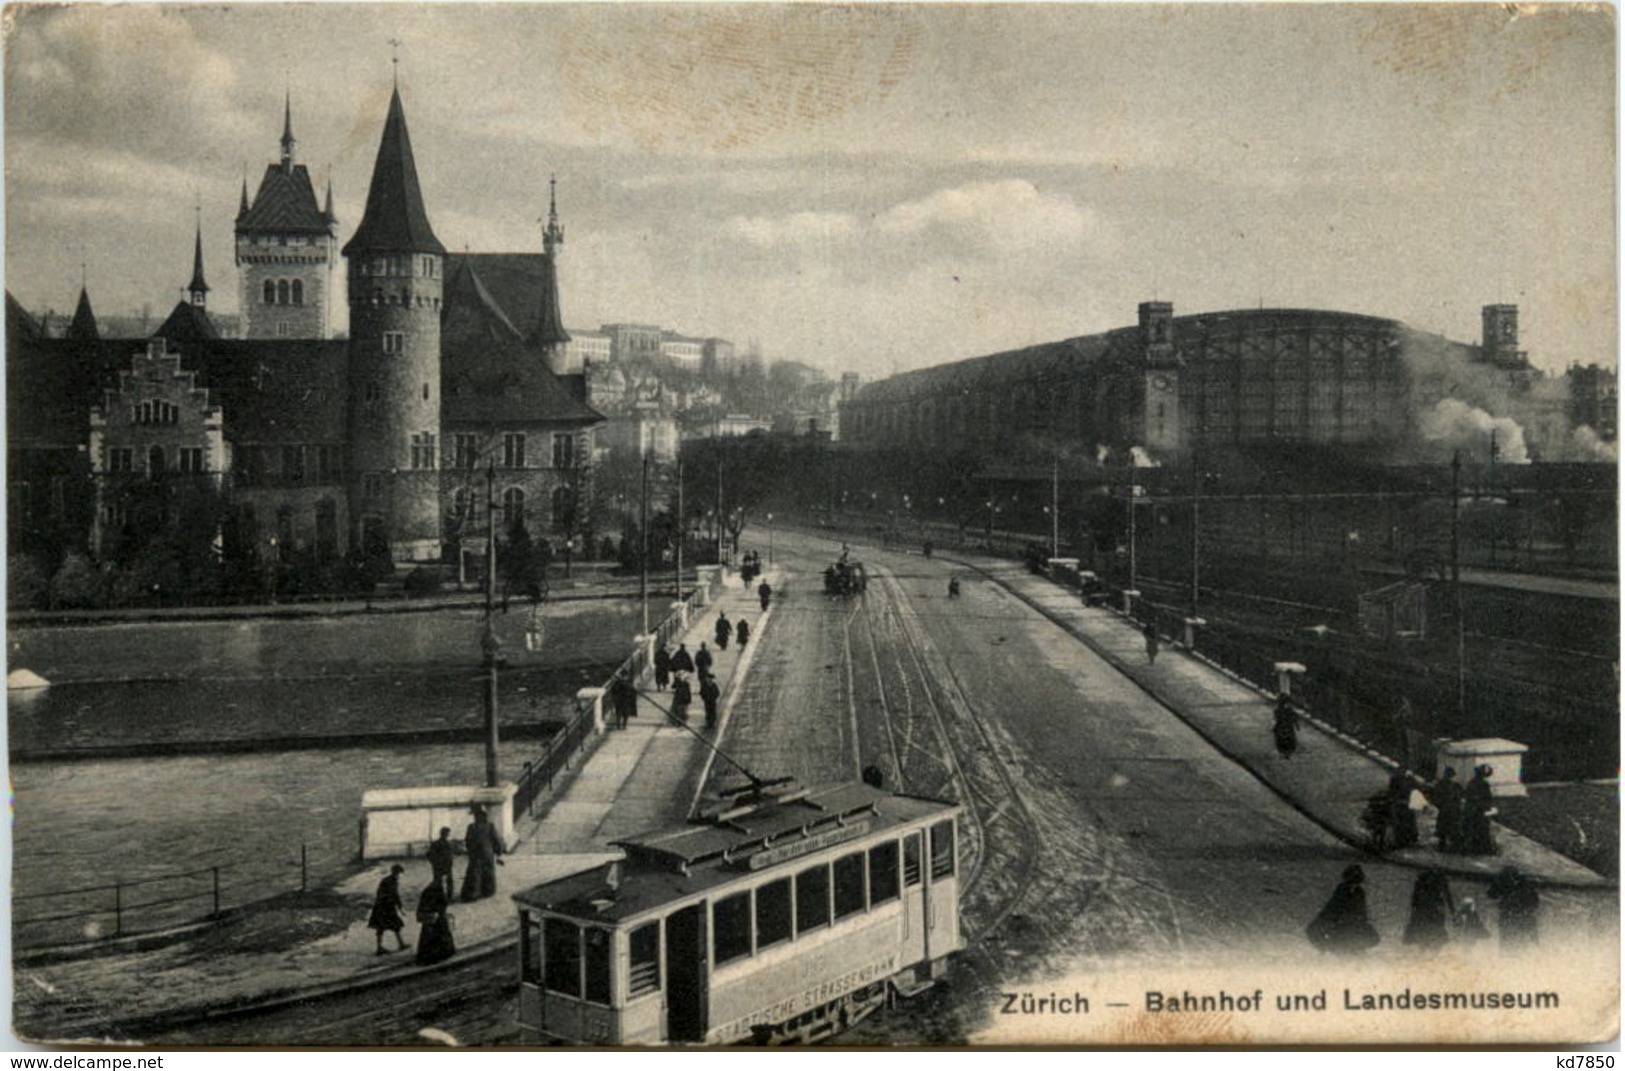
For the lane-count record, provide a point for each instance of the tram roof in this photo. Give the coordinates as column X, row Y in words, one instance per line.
column 676, row 863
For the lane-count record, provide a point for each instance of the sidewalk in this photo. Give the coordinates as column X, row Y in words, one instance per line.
column 298, row 948
column 1331, row 776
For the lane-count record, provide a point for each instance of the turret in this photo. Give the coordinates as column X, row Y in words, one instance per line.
column 549, row 333
column 395, row 267
column 198, row 290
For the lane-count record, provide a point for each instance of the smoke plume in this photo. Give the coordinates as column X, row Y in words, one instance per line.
column 1456, row 425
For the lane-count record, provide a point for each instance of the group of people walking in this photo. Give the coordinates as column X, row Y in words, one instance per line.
column 483, row 845
column 1394, row 816
column 1343, row 926
column 676, row 669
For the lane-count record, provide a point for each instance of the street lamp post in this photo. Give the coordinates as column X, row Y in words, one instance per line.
column 770, row 539
column 489, row 644
column 1455, row 589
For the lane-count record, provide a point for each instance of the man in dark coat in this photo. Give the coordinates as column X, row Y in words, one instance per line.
column 682, row 661
column 702, row 661
column 764, row 592
column 386, row 910
column 1478, row 804
column 742, row 632
column 1449, row 799
column 483, row 845
column 623, row 699
column 725, row 631
column 1286, row 726
column 1343, row 926
column 681, row 696
column 440, row 855
column 1152, row 642
column 662, row 668
column 709, row 694
column 1402, row 831
column 1432, row 907
column 1520, row 908
column 434, row 917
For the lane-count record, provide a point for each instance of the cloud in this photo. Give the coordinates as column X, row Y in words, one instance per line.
column 797, row 229
column 1008, row 214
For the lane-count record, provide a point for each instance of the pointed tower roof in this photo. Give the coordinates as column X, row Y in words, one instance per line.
column 327, row 210
column 549, row 329
column 83, row 327
column 242, row 207
column 394, row 220
column 288, row 141
column 197, row 288
column 286, row 201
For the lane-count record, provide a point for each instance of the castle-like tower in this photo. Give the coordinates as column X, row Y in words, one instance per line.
column 285, row 247
column 549, row 333
column 395, row 274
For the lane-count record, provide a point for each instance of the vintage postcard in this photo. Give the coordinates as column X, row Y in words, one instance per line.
column 872, row 524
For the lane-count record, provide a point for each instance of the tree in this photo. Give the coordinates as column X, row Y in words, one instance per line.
column 26, row 582
column 76, row 584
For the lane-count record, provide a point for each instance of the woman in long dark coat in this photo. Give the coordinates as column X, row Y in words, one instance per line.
column 662, row 668
column 434, row 917
column 386, row 910
column 1343, row 926
column 1286, row 727
column 681, row 696
column 483, row 845
column 725, row 631
column 1402, row 832
column 1432, row 907
column 742, row 633
column 1477, row 806
column 1447, row 797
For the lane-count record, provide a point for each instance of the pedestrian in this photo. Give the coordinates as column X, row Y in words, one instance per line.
column 725, row 631
column 953, row 587
column 741, row 633
column 625, row 698
column 1478, row 806
column 1432, row 908
column 681, row 696
column 662, row 668
column 682, row 661
column 1519, row 916
column 1286, row 718
column 1416, row 802
column 1448, row 799
column 1152, row 642
column 386, row 910
column 1401, row 819
column 1470, row 927
column 709, row 694
column 702, row 661
column 1343, row 926
column 434, row 921
column 764, row 592
column 440, row 856
column 483, row 844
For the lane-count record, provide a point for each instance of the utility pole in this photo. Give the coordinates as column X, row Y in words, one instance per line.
column 643, row 547
column 1055, row 506
column 681, row 525
column 1455, row 587
column 1196, row 522
column 489, row 644
column 1133, row 503
column 719, row 501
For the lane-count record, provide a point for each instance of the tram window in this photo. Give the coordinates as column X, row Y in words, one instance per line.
column 773, row 913
column 598, row 960
column 883, row 872
column 942, row 849
column 730, row 919
column 644, row 976
column 849, row 890
column 911, row 859
column 561, row 957
column 530, row 947
column 812, row 899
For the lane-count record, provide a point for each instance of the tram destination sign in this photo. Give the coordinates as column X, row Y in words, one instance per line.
column 817, row 842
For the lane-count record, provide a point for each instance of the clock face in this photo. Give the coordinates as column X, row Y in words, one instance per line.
column 1160, row 382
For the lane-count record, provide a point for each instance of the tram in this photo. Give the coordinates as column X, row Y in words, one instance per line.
column 782, row 919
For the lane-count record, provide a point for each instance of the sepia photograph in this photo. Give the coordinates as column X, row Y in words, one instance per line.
column 681, row 525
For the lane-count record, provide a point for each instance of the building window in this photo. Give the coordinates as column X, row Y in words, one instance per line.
column 423, row 450
column 121, row 459
column 298, row 292
column 394, row 342
column 155, row 462
column 190, row 459
column 282, row 291
column 372, row 485
column 564, row 451
column 270, row 292
column 327, row 529
column 467, row 450
column 513, row 507
column 513, row 450
column 564, row 499
column 328, row 465
column 284, row 329
column 293, row 464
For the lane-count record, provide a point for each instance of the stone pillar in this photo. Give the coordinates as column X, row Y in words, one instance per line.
column 1062, row 568
column 643, row 649
column 1283, row 675
column 1129, row 595
column 595, row 698
column 679, row 610
column 1191, row 625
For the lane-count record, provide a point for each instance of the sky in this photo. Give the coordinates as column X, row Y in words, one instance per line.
column 870, row 188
